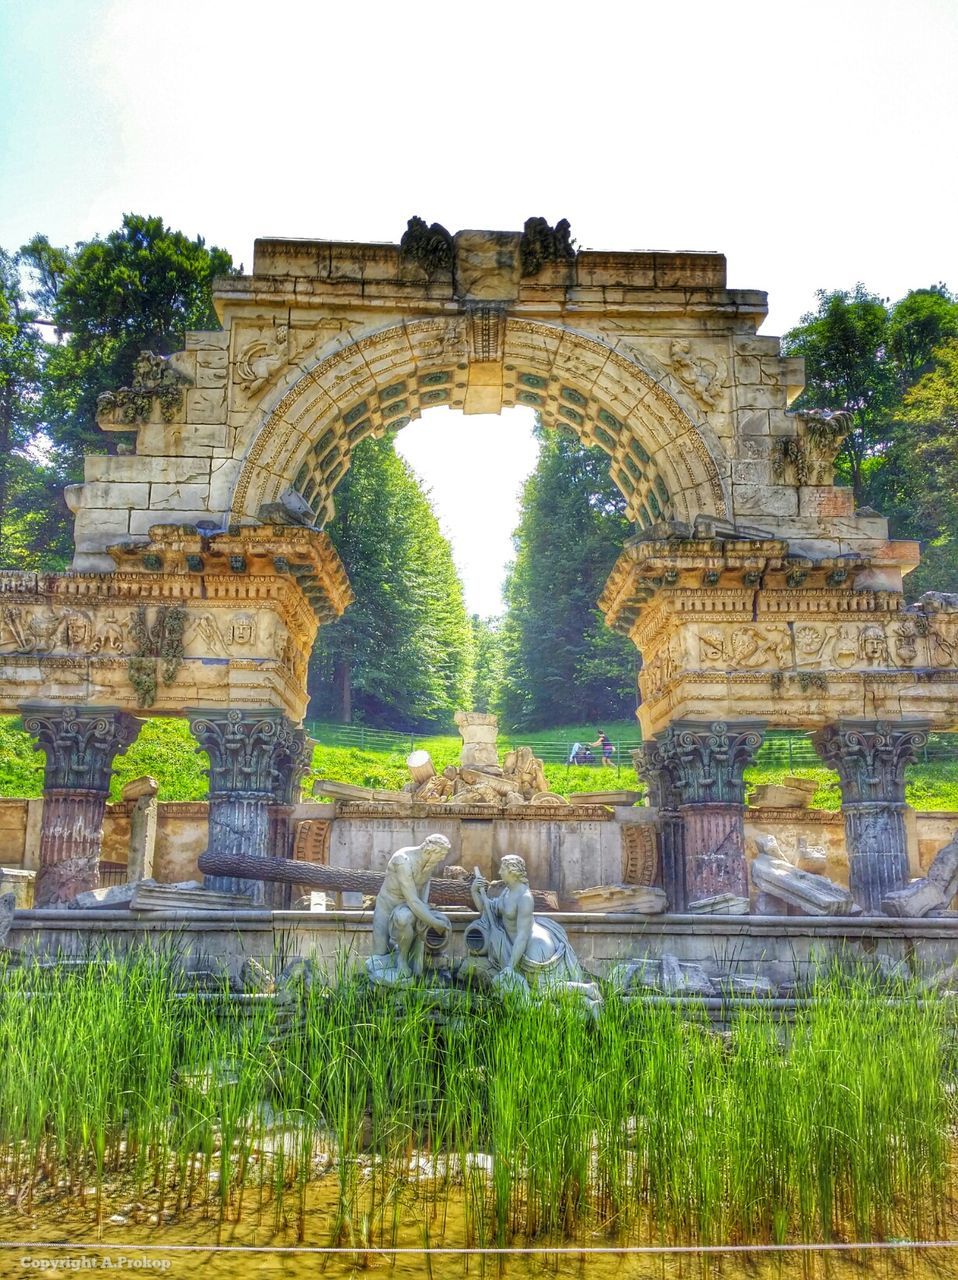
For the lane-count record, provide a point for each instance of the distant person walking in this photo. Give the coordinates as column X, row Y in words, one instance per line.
column 606, row 747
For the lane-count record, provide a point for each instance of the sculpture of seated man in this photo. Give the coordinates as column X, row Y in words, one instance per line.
column 509, row 945
column 403, row 917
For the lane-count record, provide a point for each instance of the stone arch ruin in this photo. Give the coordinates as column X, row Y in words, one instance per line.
column 756, row 593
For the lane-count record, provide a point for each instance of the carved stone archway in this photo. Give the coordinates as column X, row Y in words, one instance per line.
column 665, row 464
column 754, row 590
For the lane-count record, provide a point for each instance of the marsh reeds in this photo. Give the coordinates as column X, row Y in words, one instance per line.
column 347, row 1114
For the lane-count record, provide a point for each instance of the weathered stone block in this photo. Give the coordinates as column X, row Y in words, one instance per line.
column 205, row 405
column 178, row 497
column 755, row 424
column 751, row 471
column 207, row 339
column 748, row 370
column 756, row 346
column 141, row 522
column 824, row 501
column 95, row 529
column 111, row 495
column 764, row 500
column 211, row 369
column 761, row 397
column 487, row 265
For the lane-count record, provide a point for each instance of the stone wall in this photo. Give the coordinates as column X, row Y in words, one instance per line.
column 781, row 948
column 564, row 853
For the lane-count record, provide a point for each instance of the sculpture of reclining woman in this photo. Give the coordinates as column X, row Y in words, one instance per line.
column 508, row 944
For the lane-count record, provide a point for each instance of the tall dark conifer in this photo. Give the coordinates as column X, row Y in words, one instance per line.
column 562, row 664
column 401, row 656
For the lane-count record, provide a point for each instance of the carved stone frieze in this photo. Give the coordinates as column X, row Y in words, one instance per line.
column 311, row 842
column 745, row 646
column 640, row 855
column 154, row 379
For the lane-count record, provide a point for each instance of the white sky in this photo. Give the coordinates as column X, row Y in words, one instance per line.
column 813, row 144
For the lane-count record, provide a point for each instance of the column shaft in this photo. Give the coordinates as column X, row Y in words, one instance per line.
column 707, row 762
column 652, row 767
column 714, row 836
column 80, row 748
column 256, row 762
column 870, row 758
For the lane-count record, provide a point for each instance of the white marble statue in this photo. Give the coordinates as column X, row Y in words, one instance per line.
column 403, row 916
column 509, row 945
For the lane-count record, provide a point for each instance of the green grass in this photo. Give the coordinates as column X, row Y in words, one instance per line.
column 639, row 1124
column 166, row 749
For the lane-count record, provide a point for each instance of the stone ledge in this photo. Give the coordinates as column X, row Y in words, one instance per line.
column 358, row 809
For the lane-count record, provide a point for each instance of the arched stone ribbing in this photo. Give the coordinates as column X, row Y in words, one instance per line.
column 665, row 464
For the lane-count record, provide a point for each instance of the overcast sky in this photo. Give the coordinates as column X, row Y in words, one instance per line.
column 812, row 144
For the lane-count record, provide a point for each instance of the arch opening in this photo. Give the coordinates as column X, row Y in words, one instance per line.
column 665, row 465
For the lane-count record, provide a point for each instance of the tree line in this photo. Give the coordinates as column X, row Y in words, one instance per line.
column 894, row 368
column 407, row 654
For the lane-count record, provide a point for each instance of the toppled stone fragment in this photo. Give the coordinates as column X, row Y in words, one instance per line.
column 814, row 895
column 639, row 899
column 720, row 904
column 932, row 895
column 7, row 906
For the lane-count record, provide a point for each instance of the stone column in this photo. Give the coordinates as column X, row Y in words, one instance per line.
column 292, row 762
column 870, row 757
column 706, row 762
column 80, row 747
column 246, row 750
column 654, row 770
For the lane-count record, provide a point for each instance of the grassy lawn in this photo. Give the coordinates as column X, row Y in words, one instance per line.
column 166, row 749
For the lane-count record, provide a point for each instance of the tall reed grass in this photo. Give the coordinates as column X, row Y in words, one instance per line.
column 483, row 1123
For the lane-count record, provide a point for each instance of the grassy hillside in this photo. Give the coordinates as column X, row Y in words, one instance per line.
column 166, row 750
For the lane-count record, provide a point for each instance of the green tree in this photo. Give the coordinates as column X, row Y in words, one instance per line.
column 401, row 656
column 21, row 350
column 139, row 288
column 844, row 345
column 561, row 662
column 487, row 663
column 862, row 356
column 926, row 454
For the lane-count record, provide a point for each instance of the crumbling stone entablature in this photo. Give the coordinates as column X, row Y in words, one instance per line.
column 647, row 356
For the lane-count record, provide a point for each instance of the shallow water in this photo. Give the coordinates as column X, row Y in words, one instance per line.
column 65, row 1240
